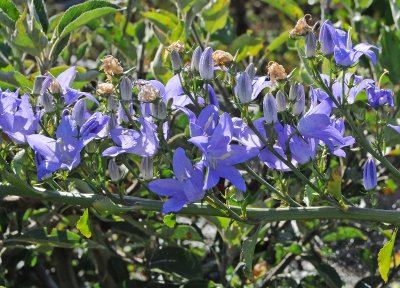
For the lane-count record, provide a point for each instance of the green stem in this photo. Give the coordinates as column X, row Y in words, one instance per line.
column 100, row 202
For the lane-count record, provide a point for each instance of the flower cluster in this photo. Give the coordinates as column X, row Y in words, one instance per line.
column 59, row 122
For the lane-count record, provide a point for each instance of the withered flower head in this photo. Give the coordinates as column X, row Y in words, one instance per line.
column 111, row 66
column 176, row 46
column 105, row 88
column 148, row 93
column 302, row 27
column 276, row 72
column 221, row 58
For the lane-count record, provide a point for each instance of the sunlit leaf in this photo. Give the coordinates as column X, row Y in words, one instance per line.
column 385, row 257
column 289, row 7
column 215, row 15
column 83, row 224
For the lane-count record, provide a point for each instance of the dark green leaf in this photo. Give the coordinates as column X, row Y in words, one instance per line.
column 81, row 14
column 390, row 43
column 248, row 247
column 53, row 238
column 59, row 47
column 39, row 11
column 177, row 261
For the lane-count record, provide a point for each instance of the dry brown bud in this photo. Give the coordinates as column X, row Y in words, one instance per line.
column 276, row 72
column 105, row 88
column 148, row 93
column 222, row 58
column 111, row 66
column 176, row 46
column 302, row 27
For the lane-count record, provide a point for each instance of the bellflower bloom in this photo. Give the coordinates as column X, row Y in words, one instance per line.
column 299, row 105
column 280, row 101
column 64, row 151
column 311, row 45
column 126, row 88
column 219, row 155
column 370, row 177
column 174, row 91
column 113, row 170
column 327, row 38
column 251, row 70
column 243, row 88
column 186, row 188
column 143, row 143
column 206, row 65
column 17, row 119
column 147, row 168
column 205, row 123
column 378, row 97
column 176, row 61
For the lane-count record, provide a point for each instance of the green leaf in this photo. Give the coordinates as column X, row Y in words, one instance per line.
column 83, row 224
column 6, row 20
column 289, row 7
column 59, row 46
column 215, row 15
column 247, row 45
column 385, row 257
column 277, row 42
column 327, row 272
column 176, row 260
column 81, row 14
column 390, row 43
column 344, row 233
column 248, row 247
column 363, row 4
column 53, row 238
column 170, row 220
column 184, row 5
column 334, row 186
column 15, row 78
column 37, row 8
column 10, row 9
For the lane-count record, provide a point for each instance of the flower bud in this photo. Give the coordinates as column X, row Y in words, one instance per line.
column 113, row 170
column 196, row 58
column 112, row 123
column 46, row 100
column 79, row 111
column 276, row 72
column 327, row 38
column 281, row 101
column 244, row 88
column 146, row 168
column 251, row 70
column 37, row 86
column 159, row 110
column 176, row 61
column 206, row 65
column 311, row 45
column 370, row 177
column 113, row 103
column 126, row 89
column 300, row 103
column 148, row 93
column 222, row 58
column 270, row 109
column 105, row 88
column 55, row 87
column 294, row 91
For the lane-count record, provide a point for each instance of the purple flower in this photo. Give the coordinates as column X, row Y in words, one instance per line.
column 186, row 188
column 270, row 109
column 339, row 42
column 370, row 177
column 17, row 119
column 206, row 64
column 62, row 85
column 143, row 143
column 378, row 97
column 205, row 123
column 243, row 88
column 64, row 151
column 219, row 155
column 174, row 91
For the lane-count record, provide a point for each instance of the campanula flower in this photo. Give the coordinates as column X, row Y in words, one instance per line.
column 176, row 61
column 205, row 123
column 311, row 45
column 243, row 88
column 280, row 101
column 113, row 170
column 251, row 70
column 147, row 168
column 186, row 188
column 299, row 105
column 219, row 155
column 64, row 151
column 17, row 118
column 125, row 85
column 206, row 64
column 196, row 59
column 370, row 177
column 175, row 91
column 143, row 143
column 327, row 38
column 378, row 97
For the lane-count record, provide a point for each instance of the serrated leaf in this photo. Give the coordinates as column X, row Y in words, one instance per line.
column 53, row 238
column 83, row 224
column 10, row 9
column 215, row 15
column 81, row 14
column 385, row 257
column 289, row 7
column 248, row 247
column 176, row 260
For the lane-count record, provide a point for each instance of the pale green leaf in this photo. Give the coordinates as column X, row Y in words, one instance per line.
column 170, row 220
column 83, row 224
column 10, row 9
column 289, row 7
column 247, row 45
column 385, row 257
column 215, row 15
